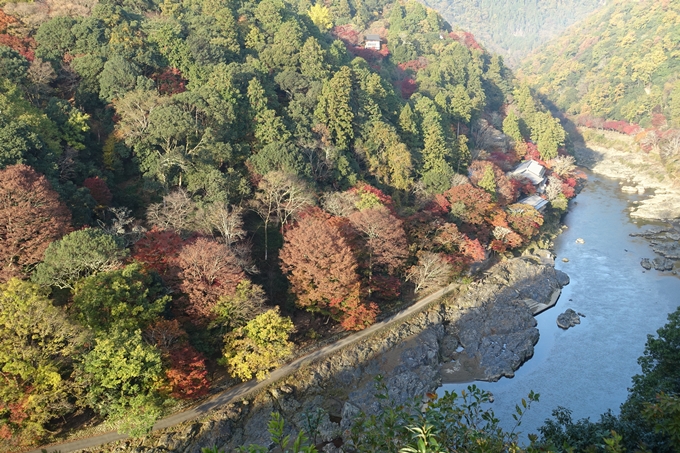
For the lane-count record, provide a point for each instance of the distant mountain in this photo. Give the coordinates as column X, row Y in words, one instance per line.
column 514, row 28
column 622, row 63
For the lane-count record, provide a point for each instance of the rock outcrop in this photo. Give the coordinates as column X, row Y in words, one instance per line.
column 665, row 241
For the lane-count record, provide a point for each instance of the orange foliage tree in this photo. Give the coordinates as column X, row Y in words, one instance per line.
column 186, row 371
column 322, row 271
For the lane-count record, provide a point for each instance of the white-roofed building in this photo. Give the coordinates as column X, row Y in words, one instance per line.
column 535, row 202
column 372, row 42
column 531, row 170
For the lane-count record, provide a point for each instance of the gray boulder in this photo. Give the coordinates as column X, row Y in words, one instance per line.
column 568, row 319
column 662, row 264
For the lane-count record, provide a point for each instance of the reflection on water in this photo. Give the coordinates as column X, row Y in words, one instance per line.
column 588, row 368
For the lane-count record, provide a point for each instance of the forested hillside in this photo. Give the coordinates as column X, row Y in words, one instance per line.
column 196, row 189
column 514, row 28
column 623, row 63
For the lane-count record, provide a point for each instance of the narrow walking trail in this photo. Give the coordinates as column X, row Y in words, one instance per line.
column 246, row 388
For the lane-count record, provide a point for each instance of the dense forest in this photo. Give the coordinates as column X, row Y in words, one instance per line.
column 197, row 189
column 514, row 28
column 619, row 64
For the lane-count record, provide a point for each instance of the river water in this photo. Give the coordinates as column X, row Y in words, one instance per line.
column 588, row 368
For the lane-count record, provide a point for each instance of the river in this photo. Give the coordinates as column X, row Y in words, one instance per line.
column 588, row 368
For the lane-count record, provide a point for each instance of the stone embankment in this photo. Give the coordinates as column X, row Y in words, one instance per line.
column 486, row 333
column 640, row 173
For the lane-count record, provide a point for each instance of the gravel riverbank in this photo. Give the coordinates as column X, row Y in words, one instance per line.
column 638, row 172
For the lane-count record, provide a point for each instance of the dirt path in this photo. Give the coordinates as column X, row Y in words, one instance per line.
column 246, row 388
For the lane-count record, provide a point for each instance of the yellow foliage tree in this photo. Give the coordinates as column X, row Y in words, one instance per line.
column 321, row 16
column 259, row 346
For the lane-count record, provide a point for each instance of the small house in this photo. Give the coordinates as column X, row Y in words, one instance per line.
column 372, row 42
column 535, row 202
column 531, row 170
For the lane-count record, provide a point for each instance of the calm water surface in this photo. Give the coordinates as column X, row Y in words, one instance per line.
column 588, row 368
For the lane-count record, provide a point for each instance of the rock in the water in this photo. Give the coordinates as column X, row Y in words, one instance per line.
column 662, row 264
column 580, row 241
column 646, row 263
column 565, row 260
column 568, row 319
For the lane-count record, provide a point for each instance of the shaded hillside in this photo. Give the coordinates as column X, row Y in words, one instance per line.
column 622, row 63
column 514, row 28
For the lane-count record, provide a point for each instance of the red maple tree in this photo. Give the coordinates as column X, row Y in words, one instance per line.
column 99, row 190
column 158, row 250
column 187, row 373
column 31, row 217
column 208, row 270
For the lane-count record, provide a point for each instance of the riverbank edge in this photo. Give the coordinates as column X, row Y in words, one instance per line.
column 409, row 354
column 639, row 172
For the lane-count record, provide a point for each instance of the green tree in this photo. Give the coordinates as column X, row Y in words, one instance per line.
column 511, row 128
column 461, row 106
column 269, row 127
column 451, row 422
column 408, row 127
column 259, row 346
column 312, row 60
column 78, row 255
column 123, row 376
column 12, row 65
column 118, row 77
column 389, row 160
column 128, row 298
column 335, row 110
column 27, row 135
column 54, row 38
column 38, row 343
column 488, row 181
column 548, row 134
column 525, row 101
column 436, row 172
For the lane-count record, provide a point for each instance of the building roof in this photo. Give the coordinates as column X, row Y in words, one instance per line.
column 531, row 170
column 535, row 201
column 372, row 37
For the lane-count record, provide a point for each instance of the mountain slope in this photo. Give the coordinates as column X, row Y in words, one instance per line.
column 514, row 28
column 621, row 63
